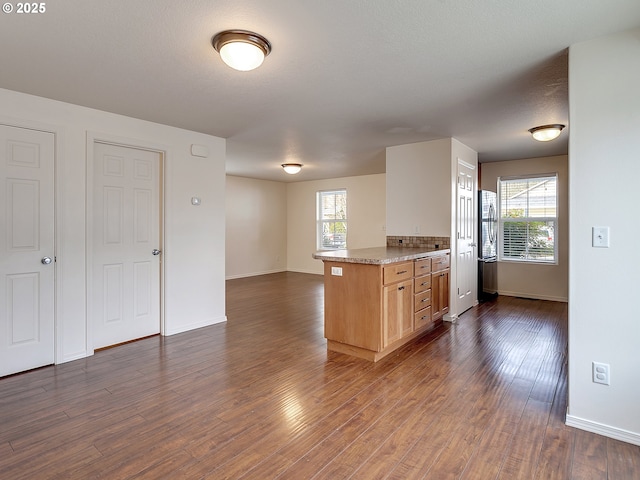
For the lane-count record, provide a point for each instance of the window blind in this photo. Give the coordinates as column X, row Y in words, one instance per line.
column 528, row 218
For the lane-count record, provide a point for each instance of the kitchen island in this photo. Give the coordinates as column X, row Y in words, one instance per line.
column 378, row 299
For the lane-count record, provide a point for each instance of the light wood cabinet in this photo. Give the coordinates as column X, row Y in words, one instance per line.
column 440, row 287
column 397, row 272
column 439, row 263
column 422, row 293
column 371, row 310
column 422, row 309
column 397, row 312
column 397, row 304
column 422, row 267
column 353, row 307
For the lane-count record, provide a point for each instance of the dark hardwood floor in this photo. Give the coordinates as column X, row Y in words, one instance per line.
column 259, row 398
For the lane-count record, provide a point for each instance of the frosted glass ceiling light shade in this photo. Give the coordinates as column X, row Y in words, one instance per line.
column 241, row 49
column 544, row 133
column 292, row 168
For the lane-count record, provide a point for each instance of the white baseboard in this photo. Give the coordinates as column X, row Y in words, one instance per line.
column 606, row 430
column 193, row 326
column 306, row 271
column 533, row 296
column 254, row 274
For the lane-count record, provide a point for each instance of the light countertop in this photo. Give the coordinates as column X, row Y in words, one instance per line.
column 378, row 255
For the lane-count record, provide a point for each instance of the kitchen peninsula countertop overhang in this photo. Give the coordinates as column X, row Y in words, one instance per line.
column 378, row 255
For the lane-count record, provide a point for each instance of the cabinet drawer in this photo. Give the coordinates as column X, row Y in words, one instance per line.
column 397, row 272
column 420, row 284
column 422, row 266
column 422, row 300
column 439, row 263
column 422, row 318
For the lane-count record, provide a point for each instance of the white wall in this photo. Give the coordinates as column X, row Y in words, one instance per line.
column 546, row 282
column 604, row 166
column 419, row 178
column 365, row 216
column 256, row 233
column 194, row 236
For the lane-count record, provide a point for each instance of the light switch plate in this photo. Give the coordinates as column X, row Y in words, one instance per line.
column 600, row 237
column 337, row 271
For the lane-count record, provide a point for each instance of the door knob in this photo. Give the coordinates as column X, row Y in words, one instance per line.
column 45, row 260
column 155, row 251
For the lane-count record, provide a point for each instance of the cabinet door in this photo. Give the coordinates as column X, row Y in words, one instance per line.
column 439, row 294
column 397, row 311
column 444, row 292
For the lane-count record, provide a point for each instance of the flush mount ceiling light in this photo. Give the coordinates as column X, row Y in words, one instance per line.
column 544, row 133
column 241, row 49
column 292, row 168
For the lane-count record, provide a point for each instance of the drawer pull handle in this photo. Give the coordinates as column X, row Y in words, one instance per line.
column 400, row 288
column 424, row 300
column 401, row 272
column 424, row 283
column 424, row 316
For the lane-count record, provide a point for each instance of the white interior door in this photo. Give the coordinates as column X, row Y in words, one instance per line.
column 125, row 285
column 27, row 249
column 466, row 268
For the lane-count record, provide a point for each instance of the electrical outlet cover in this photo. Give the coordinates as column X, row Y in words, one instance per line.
column 600, row 373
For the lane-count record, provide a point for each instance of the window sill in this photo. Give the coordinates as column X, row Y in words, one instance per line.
column 527, row 262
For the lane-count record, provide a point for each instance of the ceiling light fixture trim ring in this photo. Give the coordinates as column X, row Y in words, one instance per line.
column 220, row 39
column 292, row 168
column 545, row 133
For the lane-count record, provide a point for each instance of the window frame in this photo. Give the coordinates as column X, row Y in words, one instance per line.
column 321, row 221
column 528, row 219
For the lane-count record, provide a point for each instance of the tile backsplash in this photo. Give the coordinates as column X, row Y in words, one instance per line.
column 421, row 242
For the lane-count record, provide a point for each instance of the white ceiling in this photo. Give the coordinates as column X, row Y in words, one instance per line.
column 345, row 79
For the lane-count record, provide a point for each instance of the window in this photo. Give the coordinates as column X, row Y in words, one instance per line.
column 332, row 220
column 528, row 218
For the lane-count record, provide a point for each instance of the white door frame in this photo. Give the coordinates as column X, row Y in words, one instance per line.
column 92, row 139
column 57, row 232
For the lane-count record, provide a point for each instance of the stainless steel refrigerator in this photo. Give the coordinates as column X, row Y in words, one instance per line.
column 488, row 243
